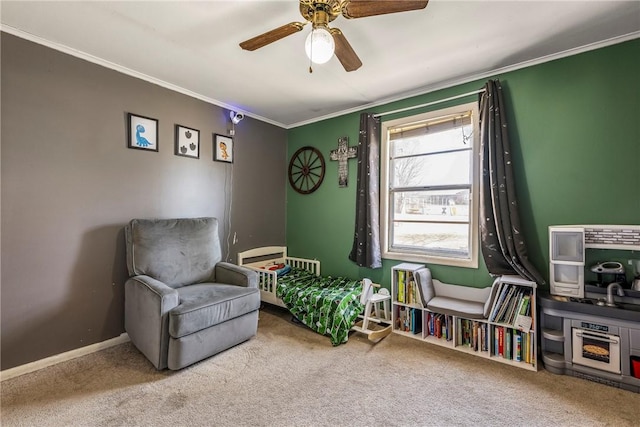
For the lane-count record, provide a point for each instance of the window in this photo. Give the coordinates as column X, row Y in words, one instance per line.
column 429, row 205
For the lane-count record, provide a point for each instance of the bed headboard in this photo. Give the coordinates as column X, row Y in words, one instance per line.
column 269, row 255
column 259, row 257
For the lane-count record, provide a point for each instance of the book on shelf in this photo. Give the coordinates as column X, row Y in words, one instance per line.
column 525, row 306
column 411, row 289
column 505, row 303
column 518, row 346
column 415, row 292
column 400, row 289
column 501, row 292
column 514, row 305
column 416, row 321
column 400, row 318
column 448, row 333
column 463, row 331
column 476, row 340
column 523, row 323
column 500, row 341
column 485, row 337
column 523, row 303
column 439, row 326
column 528, row 348
column 433, row 324
column 532, row 358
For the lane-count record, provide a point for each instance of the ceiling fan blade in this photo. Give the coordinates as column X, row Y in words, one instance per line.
column 272, row 36
column 345, row 52
column 363, row 8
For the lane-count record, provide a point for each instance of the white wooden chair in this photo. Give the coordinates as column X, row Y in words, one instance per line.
column 372, row 302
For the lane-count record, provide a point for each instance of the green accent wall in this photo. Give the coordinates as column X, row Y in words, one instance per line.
column 574, row 125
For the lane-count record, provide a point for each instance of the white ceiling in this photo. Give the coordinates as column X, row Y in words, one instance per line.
column 192, row 47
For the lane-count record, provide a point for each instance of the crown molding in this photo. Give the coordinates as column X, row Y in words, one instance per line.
column 479, row 76
column 422, row 91
column 124, row 70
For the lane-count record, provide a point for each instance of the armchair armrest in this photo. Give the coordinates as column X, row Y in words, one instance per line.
column 146, row 316
column 236, row 275
column 154, row 286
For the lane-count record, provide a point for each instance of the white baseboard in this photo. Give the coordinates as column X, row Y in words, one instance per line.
column 62, row 357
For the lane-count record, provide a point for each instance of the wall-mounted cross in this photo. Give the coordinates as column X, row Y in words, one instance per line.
column 342, row 154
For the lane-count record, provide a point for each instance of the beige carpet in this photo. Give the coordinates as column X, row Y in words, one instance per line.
column 290, row 376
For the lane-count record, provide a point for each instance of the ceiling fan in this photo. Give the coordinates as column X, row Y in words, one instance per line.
column 323, row 42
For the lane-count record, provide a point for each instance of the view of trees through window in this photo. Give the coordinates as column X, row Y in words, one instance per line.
column 430, row 183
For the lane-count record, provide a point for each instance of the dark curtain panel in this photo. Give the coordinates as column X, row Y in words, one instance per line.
column 503, row 245
column 366, row 240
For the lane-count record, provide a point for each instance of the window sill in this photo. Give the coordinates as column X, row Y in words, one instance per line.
column 430, row 259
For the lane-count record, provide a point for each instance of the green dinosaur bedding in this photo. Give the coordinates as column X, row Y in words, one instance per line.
column 327, row 305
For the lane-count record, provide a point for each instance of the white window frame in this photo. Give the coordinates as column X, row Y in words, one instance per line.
column 387, row 253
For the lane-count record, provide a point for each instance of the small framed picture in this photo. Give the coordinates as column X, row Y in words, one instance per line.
column 222, row 148
column 143, row 132
column 187, row 142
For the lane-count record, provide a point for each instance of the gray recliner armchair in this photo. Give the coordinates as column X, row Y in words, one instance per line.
column 182, row 304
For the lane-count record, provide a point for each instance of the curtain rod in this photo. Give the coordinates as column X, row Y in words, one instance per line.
column 429, row 103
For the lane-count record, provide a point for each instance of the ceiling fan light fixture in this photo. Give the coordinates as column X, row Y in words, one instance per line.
column 319, row 45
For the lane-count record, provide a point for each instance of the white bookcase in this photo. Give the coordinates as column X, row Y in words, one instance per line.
column 504, row 337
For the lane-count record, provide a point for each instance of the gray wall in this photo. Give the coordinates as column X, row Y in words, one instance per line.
column 69, row 184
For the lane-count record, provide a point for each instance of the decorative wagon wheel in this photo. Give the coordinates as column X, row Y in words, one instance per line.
column 306, row 170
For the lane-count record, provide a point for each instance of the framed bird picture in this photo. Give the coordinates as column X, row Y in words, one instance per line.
column 187, row 142
column 143, row 132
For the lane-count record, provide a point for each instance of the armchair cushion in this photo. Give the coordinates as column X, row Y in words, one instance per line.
column 208, row 304
column 177, row 252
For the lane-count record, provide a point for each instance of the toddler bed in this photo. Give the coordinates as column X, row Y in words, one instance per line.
column 327, row 305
